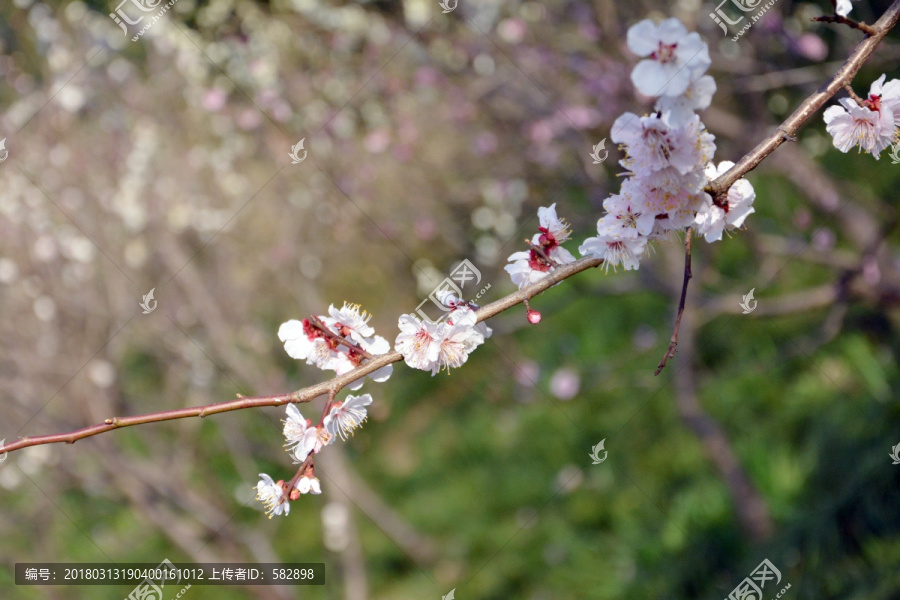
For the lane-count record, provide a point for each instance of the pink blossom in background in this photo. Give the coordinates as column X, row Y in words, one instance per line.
column 377, row 141
column 812, row 47
column 214, row 100
column 565, row 383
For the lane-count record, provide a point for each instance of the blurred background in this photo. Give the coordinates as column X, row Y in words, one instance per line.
column 432, row 138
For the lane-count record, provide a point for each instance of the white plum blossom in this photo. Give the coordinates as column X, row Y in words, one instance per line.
column 459, row 337
column 679, row 110
column 871, row 125
column 419, row 342
column 269, row 493
column 301, row 344
column 627, row 215
column 299, row 436
column 344, row 417
column 714, row 219
column 653, row 144
column 674, row 57
column 336, row 342
column 886, row 96
column 435, row 346
column 671, row 198
column 851, row 125
column 552, row 227
column 530, row 266
column 308, row 485
column 614, row 251
column 350, row 321
column 843, row 7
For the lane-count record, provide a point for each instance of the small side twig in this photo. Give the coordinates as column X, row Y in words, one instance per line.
column 540, row 252
column 867, row 29
column 338, row 339
column 849, row 89
column 288, row 488
column 673, row 343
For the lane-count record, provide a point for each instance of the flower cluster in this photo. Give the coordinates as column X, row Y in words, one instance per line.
column 338, row 342
column 434, row 346
column 668, row 153
column 871, row 124
column 302, row 441
column 668, row 157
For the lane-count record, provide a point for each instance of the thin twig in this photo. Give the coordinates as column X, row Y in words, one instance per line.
column 810, row 106
column 318, row 324
column 330, row 387
column 287, row 488
column 849, row 89
column 867, row 29
column 673, row 343
column 540, row 252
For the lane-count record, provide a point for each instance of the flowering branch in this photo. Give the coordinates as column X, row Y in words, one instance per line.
column 307, row 394
column 810, row 106
column 672, row 185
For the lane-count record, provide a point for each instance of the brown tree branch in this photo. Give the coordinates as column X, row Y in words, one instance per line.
column 330, row 387
column 836, row 18
column 789, row 128
column 673, row 343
